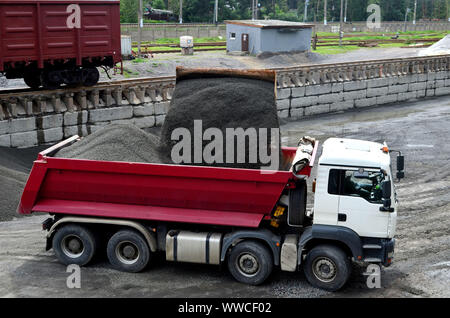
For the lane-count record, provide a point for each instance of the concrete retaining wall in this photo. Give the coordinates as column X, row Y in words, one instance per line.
column 298, row 102
column 53, row 127
column 29, row 119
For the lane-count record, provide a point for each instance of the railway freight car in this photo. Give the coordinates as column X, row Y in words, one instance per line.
column 53, row 42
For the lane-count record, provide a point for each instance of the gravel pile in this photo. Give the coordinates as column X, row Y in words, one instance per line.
column 12, row 183
column 15, row 165
column 115, row 142
column 221, row 102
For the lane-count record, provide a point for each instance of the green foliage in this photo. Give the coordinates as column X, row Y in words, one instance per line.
column 128, row 11
column 292, row 10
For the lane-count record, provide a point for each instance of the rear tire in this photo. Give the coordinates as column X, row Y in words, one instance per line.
column 327, row 267
column 128, row 251
column 250, row 262
column 74, row 244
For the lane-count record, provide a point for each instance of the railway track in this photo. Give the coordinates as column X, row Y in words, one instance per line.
column 283, row 72
column 125, row 83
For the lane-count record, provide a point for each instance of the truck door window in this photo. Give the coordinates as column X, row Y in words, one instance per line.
column 366, row 185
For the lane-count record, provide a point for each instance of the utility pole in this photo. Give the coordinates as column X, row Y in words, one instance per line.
column 341, row 25
column 345, row 12
column 325, row 12
column 406, row 18
column 216, row 5
column 305, row 16
column 181, row 12
column 140, row 25
column 253, row 9
column 415, row 8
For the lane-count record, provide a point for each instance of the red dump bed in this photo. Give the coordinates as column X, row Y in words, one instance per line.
column 36, row 31
column 174, row 193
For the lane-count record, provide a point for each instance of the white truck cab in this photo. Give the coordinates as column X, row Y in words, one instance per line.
column 353, row 196
column 348, row 190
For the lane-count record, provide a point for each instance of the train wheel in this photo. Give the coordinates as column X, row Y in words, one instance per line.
column 49, row 81
column 33, row 80
column 90, row 76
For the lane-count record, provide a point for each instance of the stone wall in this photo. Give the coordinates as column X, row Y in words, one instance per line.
column 27, row 121
column 45, row 117
column 298, row 102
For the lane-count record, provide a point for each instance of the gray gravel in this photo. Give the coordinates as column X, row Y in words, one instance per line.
column 116, row 142
column 222, row 103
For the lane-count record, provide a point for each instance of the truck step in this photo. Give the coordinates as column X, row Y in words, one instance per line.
column 372, row 260
column 372, row 246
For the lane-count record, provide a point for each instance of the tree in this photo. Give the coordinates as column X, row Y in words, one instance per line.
column 129, row 11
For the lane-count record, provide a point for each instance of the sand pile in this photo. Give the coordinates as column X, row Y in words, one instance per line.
column 115, row 142
column 441, row 47
column 225, row 102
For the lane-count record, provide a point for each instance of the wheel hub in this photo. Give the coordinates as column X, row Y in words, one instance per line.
column 248, row 264
column 72, row 246
column 324, row 269
column 127, row 252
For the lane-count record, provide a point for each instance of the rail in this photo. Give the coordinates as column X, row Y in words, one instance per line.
column 16, row 103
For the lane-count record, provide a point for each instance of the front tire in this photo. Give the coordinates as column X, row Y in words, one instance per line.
column 128, row 251
column 327, row 267
column 74, row 244
column 250, row 262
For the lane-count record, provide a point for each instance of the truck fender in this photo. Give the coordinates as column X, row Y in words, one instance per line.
column 332, row 233
column 264, row 235
column 149, row 237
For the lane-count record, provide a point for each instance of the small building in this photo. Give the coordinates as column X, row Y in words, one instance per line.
column 261, row 36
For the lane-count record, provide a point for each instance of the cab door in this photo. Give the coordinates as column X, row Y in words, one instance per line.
column 360, row 202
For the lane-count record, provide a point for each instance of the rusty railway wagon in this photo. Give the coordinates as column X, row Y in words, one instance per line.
column 53, row 42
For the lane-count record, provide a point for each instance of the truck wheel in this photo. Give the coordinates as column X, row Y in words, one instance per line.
column 74, row 244
column 250, row 262
column 327, row 267
column 128, row 251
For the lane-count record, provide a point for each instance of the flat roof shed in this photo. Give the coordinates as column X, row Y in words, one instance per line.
column 260, row 36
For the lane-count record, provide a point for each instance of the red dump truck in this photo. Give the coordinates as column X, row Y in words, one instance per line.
column 251, row 221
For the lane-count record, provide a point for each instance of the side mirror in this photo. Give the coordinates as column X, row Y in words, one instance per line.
column 400, row 167
column 386, row 189
column 386, row 196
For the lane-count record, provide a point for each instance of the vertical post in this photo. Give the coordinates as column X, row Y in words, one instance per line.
column 325, row 12
column 406, row 18
column 341, row 25
column 253, row 9
column 345, row 11
column 415, row 8
column 140, row 25
column 305, row 16
column 216, row 5
column 181, row 12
